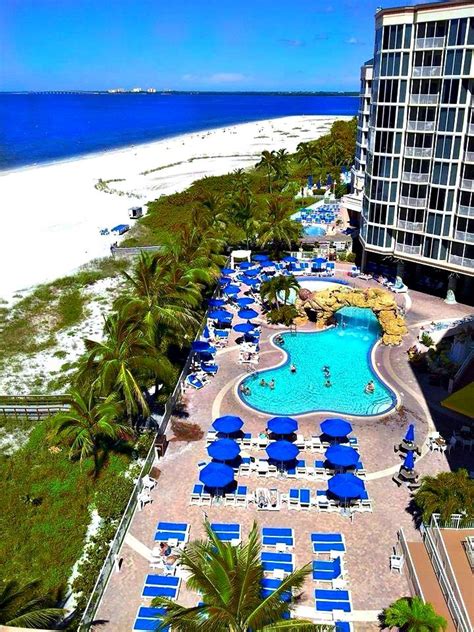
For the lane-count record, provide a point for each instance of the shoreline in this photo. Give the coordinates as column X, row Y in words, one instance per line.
column 55, row 213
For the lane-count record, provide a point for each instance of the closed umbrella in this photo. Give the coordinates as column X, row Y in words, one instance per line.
column 336, row 427
column 244, row 328
column 205, row 333
column 282, row 451
column 409, row 462
column 410, row 434
column 342, row 456
column 216, row 475
column 231, row 289
column 216, row 302
column 346, row 486
column 244, row 301
column 224, row 450
column 282, row 425
column 228, row 424
column 247, row 314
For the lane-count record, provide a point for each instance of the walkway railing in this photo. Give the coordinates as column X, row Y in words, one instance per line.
column 117, row 251
column 410, row 566
column 438, row 555
column 32, row 407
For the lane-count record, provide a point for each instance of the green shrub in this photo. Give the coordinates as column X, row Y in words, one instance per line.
column 351, row 257
column 427, row 340
column 342, row 256
column 111, row 499
column 283, row 315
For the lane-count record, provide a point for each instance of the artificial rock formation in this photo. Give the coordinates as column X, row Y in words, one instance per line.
column 326, row 303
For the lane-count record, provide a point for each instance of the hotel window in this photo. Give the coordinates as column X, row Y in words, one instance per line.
column 457, row 32
column 450, row 91
column 431, row 29
column 423, row 141
column 390, row 64
column 378, row 39
column 386, row 116
column 425, row 86
column 423, row 115
column 444, row 147
column 437, row 198
column 378, row 213
column 393, row 36
column 431, row 248
column 416, row 166
column 467, row 199
column 382, row 166
column 411, row 215
column 467, row 62
column 447, row 117
column 465, row 225
column 453, row 62
column 388, row 90
column 440, row 173
column 419, row 191
column 427, row 58
column 465, row 251
column 408, row 31
column 470, row 35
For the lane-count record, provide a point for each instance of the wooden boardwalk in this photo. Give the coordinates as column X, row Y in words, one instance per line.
column 32, row 407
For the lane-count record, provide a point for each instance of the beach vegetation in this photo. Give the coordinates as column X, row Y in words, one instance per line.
column 446, row 494
column 18, row 608
column 228, row 579
column 412, row 614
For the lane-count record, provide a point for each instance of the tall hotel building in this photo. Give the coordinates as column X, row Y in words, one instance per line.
column 413, row 178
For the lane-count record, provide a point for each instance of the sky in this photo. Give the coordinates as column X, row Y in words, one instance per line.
column 185, row 44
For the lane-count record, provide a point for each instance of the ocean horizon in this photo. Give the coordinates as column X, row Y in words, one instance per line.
column 36, row 129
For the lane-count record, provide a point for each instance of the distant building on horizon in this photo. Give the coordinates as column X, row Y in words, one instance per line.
column 413, row 177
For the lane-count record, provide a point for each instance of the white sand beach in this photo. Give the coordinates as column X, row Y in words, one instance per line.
column 52, row 214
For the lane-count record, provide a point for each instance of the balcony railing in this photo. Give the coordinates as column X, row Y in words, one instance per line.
column 465, row 262
column 465, row 211
column 421, row 126
column 468, row 184
column 469, row 156
column 412, row 201
column 427, row 71
column 471, row 129
column 415, row 226
column 418, row 152
column 409, row 250
column 465, row 236
column 424, row 99
column 429, row 42
column 419, row 178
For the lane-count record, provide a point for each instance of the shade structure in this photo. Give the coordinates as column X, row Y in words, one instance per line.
column 409, row 462
column 346, row 486
column 336, row 427
column 224, row 450
column 231, row 289
column 342, row 456
column 228, row 424
column 247, row 314
column 250, row 282
column 216, row 302
column 252, row 273
column 227, row 271
column 216, row 475
column 410, row 434
column 201, row 346
column 245, row 265
column 260, row 257
column 282, row 451
column 244, row 301
column 209, row 368
column 220, row 314
column 282, row 425
column 224, row 281
column 244, row 328
column 319, row 260
column 290, row 259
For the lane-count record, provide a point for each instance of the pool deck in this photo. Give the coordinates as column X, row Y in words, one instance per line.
column 370, row 538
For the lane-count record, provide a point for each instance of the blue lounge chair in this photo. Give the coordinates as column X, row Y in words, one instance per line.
column 342, row 626
column 226, row 532
column 161, row 586
column 327, row 547
column 331, row 595
column 209, row 368
column 326, row 537
column 300, row 497
column 270, row 585
column 148, row 618
column 173, row 530
column 327, row 571
column 277, row 561
column 272, row 536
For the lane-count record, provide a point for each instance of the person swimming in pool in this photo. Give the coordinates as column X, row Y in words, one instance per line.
column 263, row 382
column 271, row 384
column 328, row 383
column 293, row 368
column 370, row 387
column 279, row 340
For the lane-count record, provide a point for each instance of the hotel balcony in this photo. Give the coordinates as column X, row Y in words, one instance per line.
column 411, row 226
column 427, row 71
column 429, row 42
column 464, row 236
column 469, row 156
column 465, row 211
column 470, row 129
column 465, row 262
column 418, row 152
column 467, row 184
column 364, row 112
column 424, row 99
column 413, row 202
column 420, row 126
column 409, row 250
column 418, row 178
column 352, row 202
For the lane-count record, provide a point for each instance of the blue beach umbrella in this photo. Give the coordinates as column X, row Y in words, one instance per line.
column 290, row 259
column 244, row 328
column 336, row 427
column 227, row 271
column 329, row 180
column 245, row 265
column 320, row 260
column 244, row 301
column 282, row 425
column 228, row 424
column 409, row 462
column 216, row 302
column 251, row 282
column 201, row 346
column 410, row 434
column 209, row 368
column 342, row 456
column 282, row 451
column 224, row 450
column 247, row 314
column 252, row 273
column 224, row 281
column 260, row 257
column 221, row 315
column 205, row 333
column 216, row 475
column 231, row 289
column 346, row 486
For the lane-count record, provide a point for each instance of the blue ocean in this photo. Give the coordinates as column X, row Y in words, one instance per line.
column 39, row 128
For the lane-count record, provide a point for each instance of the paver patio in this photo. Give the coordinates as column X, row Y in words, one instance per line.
column 370, row 537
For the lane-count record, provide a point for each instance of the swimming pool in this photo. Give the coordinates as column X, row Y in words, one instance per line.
column 346, row 350
column 314, row 231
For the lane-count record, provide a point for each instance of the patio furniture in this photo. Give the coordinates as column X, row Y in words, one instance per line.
column 397, row 562
column 161, row 586
column 228, row 424
column 172, row 531
column 143, row 499
column 267, row 499
column 269, row 586
column 148, row 482
column 327, row 570
column 148, row 618
column 328, row 542
column 275, row 561
column 200, row 496
column 193, row 380
column 227, row 532
column 273, row 536
column 299, row 499
column 330, row 600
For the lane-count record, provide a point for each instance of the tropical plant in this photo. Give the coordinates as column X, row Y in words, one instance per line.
column 19, row 609
column 89, row 426
column 228, row 578
column 447, row 493
column 277, row 229
column 283, row 315
column 278, row 289
column 310, row 156
column 240, row 182
column 268, row 161
column 412, row 614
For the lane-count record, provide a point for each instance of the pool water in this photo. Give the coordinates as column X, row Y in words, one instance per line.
column 346, row 350
column 314, row 231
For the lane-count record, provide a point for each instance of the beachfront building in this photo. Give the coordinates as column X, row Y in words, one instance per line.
column 417, row 204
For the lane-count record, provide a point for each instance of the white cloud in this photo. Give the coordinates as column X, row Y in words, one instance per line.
column 217, row 77
column 354, row 41
column 294, row 43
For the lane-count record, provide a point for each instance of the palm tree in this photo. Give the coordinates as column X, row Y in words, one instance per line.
column 273, row 289
column 19, row 609
column 123, row 363
column 268, row 161
column 89, row 425
column 228, row 578
column 412, row 614
column 282, row 161
column 309, row 155
column 447, row 493
column 243, row 213
column 240, row 182
column 277, row 228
